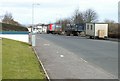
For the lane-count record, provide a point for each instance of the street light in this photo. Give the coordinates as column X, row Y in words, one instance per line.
column 33, row 35
column 119, row 12
column 33, row 15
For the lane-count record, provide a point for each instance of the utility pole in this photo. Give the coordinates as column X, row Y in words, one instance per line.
column 33, row 15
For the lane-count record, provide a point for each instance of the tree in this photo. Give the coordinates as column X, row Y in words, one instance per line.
column 84, row 17
column 109, row 21
column 90, row 16
column 113, row 28
column 8, row 19
column 78, row 17
column 64, row 23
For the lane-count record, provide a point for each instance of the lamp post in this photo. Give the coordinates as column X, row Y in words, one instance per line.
column 119, row 12
column 33, row 15
column 33, row 35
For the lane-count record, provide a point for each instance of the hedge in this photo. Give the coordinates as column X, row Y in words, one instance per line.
column 10, row 27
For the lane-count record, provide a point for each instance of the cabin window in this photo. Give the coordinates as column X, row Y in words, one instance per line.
column 88, row 27
column 91, row 27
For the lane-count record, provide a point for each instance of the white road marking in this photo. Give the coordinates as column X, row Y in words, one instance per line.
column 42, row 65
column 61, row 56
column 84, row 60
column 46, row 44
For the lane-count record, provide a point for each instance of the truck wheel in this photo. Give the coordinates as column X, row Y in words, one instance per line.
column 75, row 34
column 105, row 38
column 78, row 34
column 67, row 34
column 90, row 37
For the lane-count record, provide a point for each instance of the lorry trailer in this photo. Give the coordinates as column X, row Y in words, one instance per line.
column 75, row 29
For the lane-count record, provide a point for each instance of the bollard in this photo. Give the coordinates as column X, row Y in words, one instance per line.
column 30, row 38
column 33, row 39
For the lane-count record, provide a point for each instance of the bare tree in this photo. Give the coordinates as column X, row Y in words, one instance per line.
column 113, row 29
column 90, row 16
column 8, row 19
column 109, row 21
column 78, row 17
column 64, row 23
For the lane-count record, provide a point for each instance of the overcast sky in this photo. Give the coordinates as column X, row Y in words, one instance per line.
column 119, row 12
column 51, row 10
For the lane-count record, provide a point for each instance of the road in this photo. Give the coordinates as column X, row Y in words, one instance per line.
column 100, row 54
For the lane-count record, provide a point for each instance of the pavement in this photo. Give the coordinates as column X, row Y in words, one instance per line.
column 69, row 57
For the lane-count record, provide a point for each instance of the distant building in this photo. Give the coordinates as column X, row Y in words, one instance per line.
column 40, row 28
column 29, row 29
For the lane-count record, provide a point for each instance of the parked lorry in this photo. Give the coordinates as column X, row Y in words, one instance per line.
column 54, row 28
column 50, row 28
column 97, row 30
column 75, row 29
column 58, row 29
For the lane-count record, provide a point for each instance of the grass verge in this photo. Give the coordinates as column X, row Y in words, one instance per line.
column 0, row 59
column 19, row 61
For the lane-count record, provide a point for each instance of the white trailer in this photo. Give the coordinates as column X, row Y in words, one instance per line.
column 97, row 30
column 39, row 29
column 44, row 29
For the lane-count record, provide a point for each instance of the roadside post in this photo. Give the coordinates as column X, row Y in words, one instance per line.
column 33, row 39
column 33, row 34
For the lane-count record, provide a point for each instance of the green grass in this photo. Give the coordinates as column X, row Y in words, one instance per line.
column 19, row 61
column 0, row 59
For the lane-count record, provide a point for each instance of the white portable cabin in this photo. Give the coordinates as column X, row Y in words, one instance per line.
column 97, row 30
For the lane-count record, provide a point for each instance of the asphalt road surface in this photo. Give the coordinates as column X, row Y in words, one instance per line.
column 98, row 56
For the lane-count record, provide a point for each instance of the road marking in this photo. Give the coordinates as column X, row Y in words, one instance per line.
column 57, row 52
column 84, row 60
column 61, row 56
column 48, row 78
column 46, row 44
